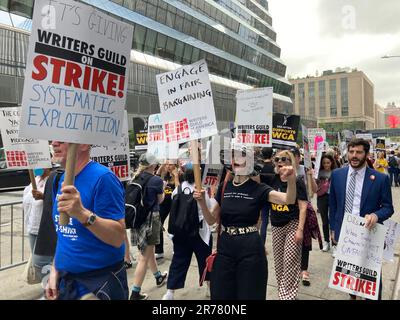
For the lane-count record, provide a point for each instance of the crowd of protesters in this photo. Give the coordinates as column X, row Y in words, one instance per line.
column 90, row 255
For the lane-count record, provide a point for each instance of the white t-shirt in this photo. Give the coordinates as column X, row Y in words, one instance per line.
column 205, row 231
column 33, row 209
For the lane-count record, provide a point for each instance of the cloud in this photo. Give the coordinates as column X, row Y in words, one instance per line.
column 326, row 34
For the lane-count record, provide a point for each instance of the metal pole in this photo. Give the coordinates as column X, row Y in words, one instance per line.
column 12, row 232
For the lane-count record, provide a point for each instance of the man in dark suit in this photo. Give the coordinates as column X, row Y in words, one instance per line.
column 360, row 190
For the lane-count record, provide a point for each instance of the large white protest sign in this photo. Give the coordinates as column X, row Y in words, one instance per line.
column 21, row 153
column 254, row 117
column 186, row 103
column 77, row 74
column 393, row 233
column 358, row 260
column 115, row 157
column 156, row 144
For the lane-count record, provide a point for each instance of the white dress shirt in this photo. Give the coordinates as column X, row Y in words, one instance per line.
column 33, row 208
column 359, row 185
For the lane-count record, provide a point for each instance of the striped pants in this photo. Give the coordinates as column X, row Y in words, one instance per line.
column 287, row 260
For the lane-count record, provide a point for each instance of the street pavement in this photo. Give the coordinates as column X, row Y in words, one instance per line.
column 13, row 287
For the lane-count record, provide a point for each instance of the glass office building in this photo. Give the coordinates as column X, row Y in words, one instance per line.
column 235, row 37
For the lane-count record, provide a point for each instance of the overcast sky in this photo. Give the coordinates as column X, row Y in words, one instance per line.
column 326, row 34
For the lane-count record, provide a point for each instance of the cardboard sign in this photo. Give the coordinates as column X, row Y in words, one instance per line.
column 358, row 261
column 212, row 175
column 77, row 74
column 306, row 147
column 21, row 153
column 380, row 144
column 186, row 103
column 115, row 157
column 393, row 233
column 315, row 136
column 156, row 144
column 284, row 130
column 254, row 117
column 320, row 150
column 368, row 137
column 140, row 133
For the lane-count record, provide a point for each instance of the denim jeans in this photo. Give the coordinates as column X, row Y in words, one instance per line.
column 39, row 262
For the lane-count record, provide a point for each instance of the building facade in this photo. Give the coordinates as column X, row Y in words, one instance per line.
column 380, row 118
column 235, row 37
column 338, row 100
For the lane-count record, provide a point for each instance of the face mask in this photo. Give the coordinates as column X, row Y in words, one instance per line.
column 38, row 172
column 189, row 166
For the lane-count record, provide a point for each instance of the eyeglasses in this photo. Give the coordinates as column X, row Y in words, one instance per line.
column 284, row 159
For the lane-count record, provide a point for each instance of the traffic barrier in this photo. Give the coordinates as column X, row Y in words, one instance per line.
column 14, row 247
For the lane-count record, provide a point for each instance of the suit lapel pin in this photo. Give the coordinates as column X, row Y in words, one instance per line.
column 372, row 177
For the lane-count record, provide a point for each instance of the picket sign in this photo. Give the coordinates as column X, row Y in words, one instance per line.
column 22, row 153
column 187, row 108
column 254, row 117
column 358, row 259
column 76, row 78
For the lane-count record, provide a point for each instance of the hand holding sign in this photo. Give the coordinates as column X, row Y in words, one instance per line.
column 69, row 202
column 370, row 220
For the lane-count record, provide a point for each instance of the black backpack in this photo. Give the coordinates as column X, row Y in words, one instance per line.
column 393, row 162
column 136, row 212
column 184, row 217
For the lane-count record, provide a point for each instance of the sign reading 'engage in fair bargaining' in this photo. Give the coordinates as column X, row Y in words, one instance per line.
column 76, row 76
column 358, row 261
column 21, row 153
column 116, row 157
column 186, row 103
column 254, row 117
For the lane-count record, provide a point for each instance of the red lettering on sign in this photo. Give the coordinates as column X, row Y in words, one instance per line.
column 258, row 138
column 120, row 171
column 77, row 76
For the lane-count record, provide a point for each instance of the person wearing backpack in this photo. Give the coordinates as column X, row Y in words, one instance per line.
column 170, row 174
column 147, row 235
column 393, row 169
column 191, row 233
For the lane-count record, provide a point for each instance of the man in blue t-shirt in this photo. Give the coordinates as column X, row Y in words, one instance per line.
column 89, row 258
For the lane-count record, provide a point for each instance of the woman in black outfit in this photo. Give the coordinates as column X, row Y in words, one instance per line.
column 240, row 268
column 169, row 173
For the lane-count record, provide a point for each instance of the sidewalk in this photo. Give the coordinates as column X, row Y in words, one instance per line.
column 12, row 287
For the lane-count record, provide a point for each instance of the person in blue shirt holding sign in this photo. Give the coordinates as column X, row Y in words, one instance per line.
column 89, row 257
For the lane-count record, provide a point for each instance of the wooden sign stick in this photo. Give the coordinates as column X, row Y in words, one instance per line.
column 33, row 180
column 309, row 186
column 69, row 176
column 194, row 152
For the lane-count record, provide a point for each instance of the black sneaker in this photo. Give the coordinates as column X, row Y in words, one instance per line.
column 160, row 281
column 138, row 296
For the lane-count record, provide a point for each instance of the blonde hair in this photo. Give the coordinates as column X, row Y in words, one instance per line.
column 289, row 155
column 139, row 170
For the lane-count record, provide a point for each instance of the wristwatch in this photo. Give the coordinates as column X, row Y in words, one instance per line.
column 90, row 220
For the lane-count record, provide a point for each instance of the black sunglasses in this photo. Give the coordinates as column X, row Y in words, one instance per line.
column 284, row 159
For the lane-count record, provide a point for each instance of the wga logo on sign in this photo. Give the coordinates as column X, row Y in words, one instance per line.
column 285, row 120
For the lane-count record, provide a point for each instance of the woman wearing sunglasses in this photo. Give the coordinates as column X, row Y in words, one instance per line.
column 287, row 223
column 240, row 267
